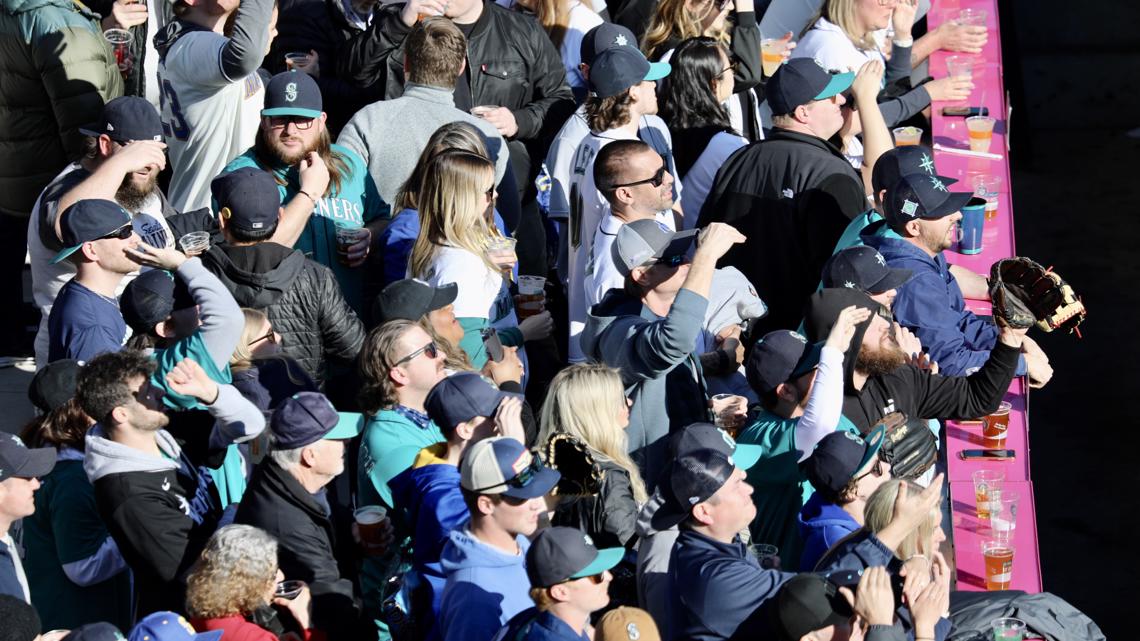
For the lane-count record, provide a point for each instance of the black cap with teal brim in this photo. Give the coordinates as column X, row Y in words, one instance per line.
column 800, row 81
column 293, row 93
column 87, row 221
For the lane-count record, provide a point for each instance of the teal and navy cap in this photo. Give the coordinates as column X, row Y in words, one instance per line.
column 308, row 417
column 800, row 81
column 560, row 554
column 90, row 220
column 623, row 66
column 293, row 93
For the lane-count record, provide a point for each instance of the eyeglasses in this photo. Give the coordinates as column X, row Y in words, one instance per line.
column 721, row 4
column 876, row 470
column 271, row 336
column 430, row 349
column 670, row 261
column 121, row 233
column 300, row 122
column 490, row 193
column 655, row 180
column 731, row 67
column 518, row 481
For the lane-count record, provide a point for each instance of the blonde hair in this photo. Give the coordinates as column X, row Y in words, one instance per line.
column 554, row 16
column 841, row 13
column 243, row 355
column 880, row 509
column 675, row 21
column 584, row 400
column 234, row 573
column 453, row 135
column 453, row 209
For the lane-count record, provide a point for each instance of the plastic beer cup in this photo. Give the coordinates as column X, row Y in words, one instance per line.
column 368, row 520
column 907, row 136
column 770, row 56
column 1003, row 516
column 994, row 426
column 1008, row 629
column 981, row 132
column 987, row 490
column 532, row 296
column 999, row 564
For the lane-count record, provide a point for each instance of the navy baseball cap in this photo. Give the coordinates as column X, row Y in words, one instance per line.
column 620, row 67
column 18, row 461
column 503, row 466
column 308, row 417
column 706, row 436
column 125, row 119
column 169, row 626
column 921, row 196
column 779, row 357
column 247, row 198
column 802, row 80
column 411, row 298
column 897, row 162
column 87, row 221
column 806, row 603
column 101, row 631
column 460, row 398
column 648, row 240
column 151, row 298
column 54, row 384
column 605, row 36
column 865, row 269
column 842, row 456
column 560, row 554
column 690, row 479
column 293, row 93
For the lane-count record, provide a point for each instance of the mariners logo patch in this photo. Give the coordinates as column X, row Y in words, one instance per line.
column 291, row 91
column 910, row 208
column 621, row 41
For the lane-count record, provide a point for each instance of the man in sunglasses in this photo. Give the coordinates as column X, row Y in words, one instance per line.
column 467, row 410
column 485, row 561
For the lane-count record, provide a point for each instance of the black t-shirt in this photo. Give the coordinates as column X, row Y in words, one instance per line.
column 463, row 99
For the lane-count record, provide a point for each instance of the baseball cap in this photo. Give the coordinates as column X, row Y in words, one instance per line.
column 561, row 554
column 706, row 436
column 800, row 81
column 89, row 220
column 627, row 624
column 151, row 298
column 808, row 602
column 620, row 67
column 247, row 198
column 169, row 626
column 921, row 196
column 779, row 357
column 293, row 93
column 897, row 162
column 127, row 118
column 502, row 465
column 865, row 269
column 460, row 398
column 18, row 461
column 842, row 456
column 410, row 299
column 54, row 384
column 605, row 36
column 692, row 479
column 307, row 417
column 642, row 241
column 95, row 632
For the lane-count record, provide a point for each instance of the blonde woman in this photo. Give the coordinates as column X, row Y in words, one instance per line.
column 588, row 402
column 566, row 22
column 261, row 372
column 236, row 576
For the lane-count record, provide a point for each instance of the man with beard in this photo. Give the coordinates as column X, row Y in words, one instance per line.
column 323, row 200
column 920, row 216
column 159, row 506
column 880, row 380
column 123, row 154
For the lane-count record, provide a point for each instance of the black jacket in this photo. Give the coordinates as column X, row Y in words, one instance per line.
column 610, row 516
column 792, row 195
column 511, row 62
column 301, row 297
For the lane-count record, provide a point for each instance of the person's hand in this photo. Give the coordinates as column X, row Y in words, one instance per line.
column 536, row 327
column 926, row 608
column 908, row 342
column 916, row 575
column 508, row 419
column 941, row 573
column 314, row 175
column 300, row 606
column 951, row 89
column 1014, row 338
column 715, row 240
column 413, row 9
column 728, row 341
column 356, row 253
column 961, row 37
column 380, row 547
column 502, row 119
column 844, row 329
column 508, row 369
column 784, row 45
column 909, row 514
column 140, row 155
column 868, row 80
column 922, row 360
column 125, row 14
column 732, row 411
column 311, row 66
column 1030, row 346
column 167, row 258
column 53, row 635
column 873, row 600
column 1038, row 369
column 189, row 379
column 903, row 18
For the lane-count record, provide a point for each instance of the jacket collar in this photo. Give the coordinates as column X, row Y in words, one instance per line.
column 285, row 485
column 482, row 22
column 889, row 243
column 702, row 544
column 430, row 94
column 815, row 141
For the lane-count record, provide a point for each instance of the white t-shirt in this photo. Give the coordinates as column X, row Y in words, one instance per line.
column 602, row 274
column 699, row 181
column 582, row 19
column 208, row 119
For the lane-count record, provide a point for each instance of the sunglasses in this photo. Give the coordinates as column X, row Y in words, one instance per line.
column 876, row 470
column 490, row 193
column 671, row 261
column 655, row 180
column 121, row 233
column 300, row 122
column 518, row 481
column 271, row 336
column 430, row 349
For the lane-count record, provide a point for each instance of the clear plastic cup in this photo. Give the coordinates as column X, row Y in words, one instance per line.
column 120, row 41
column 482, row 110
column 1008, row 629
column 532, row 296
column 194, row 243
column 999, row 565
column 981, row 130
column 767, row 554
column 368, row 520
column 907, row 136
column 960, row 66
column 1003, row 517
column 987, row 491
column 771, row 56
column 988, row 187
column 295, row 58
column 972, row 17
column 500, row 251
column 995, row 426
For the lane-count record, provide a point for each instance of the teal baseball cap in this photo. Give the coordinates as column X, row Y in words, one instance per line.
column 803, row 80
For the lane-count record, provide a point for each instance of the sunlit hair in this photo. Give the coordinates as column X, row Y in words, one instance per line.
column 841, row 13
column 603, row 114
column 463, row 136
column 453, row 209
column 454, row 358
column 435, row 51
column 674, row 20
column 378, row 356
column 65, row 426
column 584, row 401
column 880, row 509
column 233, row 575
column 243, row 352
column 336, row 162
column 542, row 599
column 554, row 16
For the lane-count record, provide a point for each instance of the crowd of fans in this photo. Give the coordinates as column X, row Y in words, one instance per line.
column 291, row 385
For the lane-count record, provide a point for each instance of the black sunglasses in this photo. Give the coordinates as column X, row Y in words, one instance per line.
column 518, row 481
column 300, row 122
column 671, row 261
column 271, row 336
column 430, row 349
column 121, row 233
column 876, row 469
column 655, row 180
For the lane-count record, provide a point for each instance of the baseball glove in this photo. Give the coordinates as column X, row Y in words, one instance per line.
column 581, row 474
column 908, row 445
column 1025, row 294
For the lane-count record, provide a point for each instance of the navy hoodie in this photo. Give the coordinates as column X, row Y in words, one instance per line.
column 822, row 525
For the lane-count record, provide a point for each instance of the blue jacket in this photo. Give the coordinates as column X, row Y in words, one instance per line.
column 821, row 526
column 532, row 625
column 718, row 588
column 485, row 587
column 932, row 306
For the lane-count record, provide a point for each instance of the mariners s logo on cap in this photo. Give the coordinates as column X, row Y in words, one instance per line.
column 291, row 91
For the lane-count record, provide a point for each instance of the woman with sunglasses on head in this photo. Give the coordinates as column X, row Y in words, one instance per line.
column 262, row 373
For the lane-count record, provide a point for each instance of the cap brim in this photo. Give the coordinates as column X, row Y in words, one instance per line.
column 41, row 461
column 680, row 244
column 894, row 279
column 874, row 441
column 953, row 204
column 544, row 481
column 746, row 455
column 65, row 253
column 808, row 360
column 349, row 426
column 838, row 84
column 444, row 295
column 291, row 111
column 212, row 635
column 670, row 512
column 658, row 70
column 607, row 558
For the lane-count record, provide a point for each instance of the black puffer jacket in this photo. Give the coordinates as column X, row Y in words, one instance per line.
column 610, row 516
column 301, row 297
